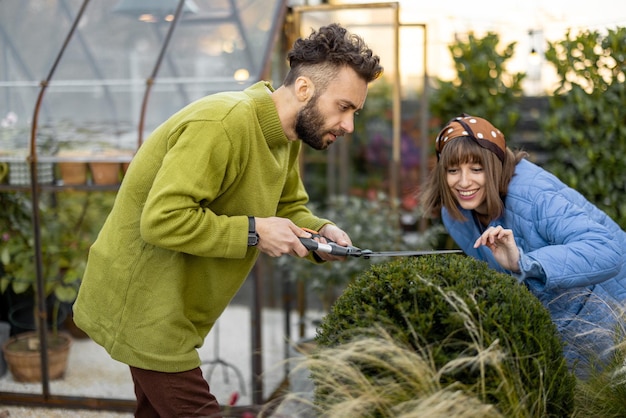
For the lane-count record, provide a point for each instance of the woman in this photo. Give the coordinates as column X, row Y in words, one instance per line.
column 522, row 220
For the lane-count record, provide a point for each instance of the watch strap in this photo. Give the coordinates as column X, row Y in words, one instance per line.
column 253, row 236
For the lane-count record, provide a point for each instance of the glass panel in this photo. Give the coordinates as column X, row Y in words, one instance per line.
column 93, row 104
column 97, row 90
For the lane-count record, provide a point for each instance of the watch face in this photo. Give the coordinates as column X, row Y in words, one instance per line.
column 253, row 239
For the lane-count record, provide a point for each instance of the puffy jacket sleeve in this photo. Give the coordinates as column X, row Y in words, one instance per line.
column 568, row 248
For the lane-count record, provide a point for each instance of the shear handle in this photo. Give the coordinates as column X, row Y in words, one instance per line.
column 331, row 247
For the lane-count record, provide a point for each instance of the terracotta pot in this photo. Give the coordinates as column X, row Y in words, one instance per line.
column 109, row 166
column 23, row 357
column 73, row 172
column 105, row 172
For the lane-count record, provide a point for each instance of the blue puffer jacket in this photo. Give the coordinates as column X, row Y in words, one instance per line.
column 573, row 256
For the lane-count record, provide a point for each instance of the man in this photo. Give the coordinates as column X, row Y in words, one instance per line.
column 213, row 186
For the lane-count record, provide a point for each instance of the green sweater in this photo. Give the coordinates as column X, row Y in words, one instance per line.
column 173, row 251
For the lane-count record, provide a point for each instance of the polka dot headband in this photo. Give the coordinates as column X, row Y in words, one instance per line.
column 480, row 130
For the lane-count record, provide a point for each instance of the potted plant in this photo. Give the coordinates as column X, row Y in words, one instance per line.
column 66, row 234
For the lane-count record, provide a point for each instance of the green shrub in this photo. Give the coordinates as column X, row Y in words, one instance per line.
column 480, row 330
column 584, row 131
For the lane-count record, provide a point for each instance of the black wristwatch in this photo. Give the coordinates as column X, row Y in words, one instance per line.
column 253, row 236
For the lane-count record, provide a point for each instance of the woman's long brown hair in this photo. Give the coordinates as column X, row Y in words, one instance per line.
column 437, row 194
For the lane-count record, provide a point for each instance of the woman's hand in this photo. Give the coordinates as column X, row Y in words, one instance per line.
column 502, row 244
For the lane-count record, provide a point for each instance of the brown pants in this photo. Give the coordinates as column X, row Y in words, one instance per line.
column 169, row 395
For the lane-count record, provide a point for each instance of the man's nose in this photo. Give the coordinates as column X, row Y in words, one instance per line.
column 347, row 124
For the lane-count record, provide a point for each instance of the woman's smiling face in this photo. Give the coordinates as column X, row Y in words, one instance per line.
column 467, row 184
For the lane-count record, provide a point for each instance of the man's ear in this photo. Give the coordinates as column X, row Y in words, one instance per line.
column 304, row 88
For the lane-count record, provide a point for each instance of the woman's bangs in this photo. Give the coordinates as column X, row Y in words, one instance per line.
column 462, row 150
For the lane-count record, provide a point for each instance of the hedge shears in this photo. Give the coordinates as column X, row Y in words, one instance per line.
column 350, row 251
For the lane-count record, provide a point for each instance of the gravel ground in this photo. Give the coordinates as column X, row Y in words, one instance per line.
column 23, row 412
column 92, row 373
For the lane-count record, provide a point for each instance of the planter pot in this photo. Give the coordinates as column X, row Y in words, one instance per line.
column 19, row 171
column 71, row 327
column 104, row 173
column 5, row 331
column 22, row 315
column 23, row 357
column 73, row 172
column 109, row 166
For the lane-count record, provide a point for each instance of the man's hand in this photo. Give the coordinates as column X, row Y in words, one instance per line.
column 278, row 236
column 502, row 244
column 337, row 235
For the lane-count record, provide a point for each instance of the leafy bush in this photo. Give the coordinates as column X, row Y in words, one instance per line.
column 585, row 131
column 70, row 222
column 483, row 332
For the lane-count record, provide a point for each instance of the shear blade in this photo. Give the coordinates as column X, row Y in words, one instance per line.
column 369, row 253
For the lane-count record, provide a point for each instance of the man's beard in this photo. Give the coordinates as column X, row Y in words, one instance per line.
column 308, row 120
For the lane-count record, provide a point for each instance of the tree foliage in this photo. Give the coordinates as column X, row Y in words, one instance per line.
column 482, row 87
column 585, row 131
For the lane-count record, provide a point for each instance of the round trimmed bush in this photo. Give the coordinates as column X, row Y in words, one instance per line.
column 456, row 312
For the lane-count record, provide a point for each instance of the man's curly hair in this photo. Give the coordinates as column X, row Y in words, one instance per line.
column 329, row 49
